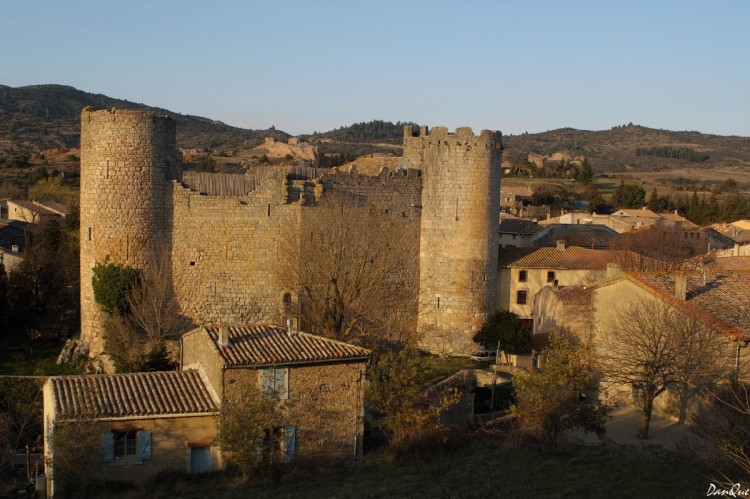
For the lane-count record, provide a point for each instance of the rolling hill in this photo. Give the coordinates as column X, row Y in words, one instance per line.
column 41, row 117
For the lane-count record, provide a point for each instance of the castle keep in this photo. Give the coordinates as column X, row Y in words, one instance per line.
column 225, row 237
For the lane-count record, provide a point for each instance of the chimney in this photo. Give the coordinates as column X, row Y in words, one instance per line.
column 291, row 327
column 680, row 286
column 561, row 245
column 223, row 336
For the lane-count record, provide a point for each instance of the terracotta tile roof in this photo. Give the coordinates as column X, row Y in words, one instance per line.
column 131, row 395
column 265, row 344
column 572, row 258
column 720, row 298
column 730, row 263
column 573, row 295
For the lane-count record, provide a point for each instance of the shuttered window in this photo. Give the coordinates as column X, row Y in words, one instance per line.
column 275, row 380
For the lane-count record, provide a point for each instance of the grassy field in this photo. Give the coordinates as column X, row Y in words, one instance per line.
column 23, row 357
column 482, row 469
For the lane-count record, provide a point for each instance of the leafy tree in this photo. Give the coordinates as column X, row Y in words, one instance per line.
column 245, row 428
column 112, row 282
column 504, row 328
column 628, row 196
column 400, row 406
column 585, row 175
column 561, row 396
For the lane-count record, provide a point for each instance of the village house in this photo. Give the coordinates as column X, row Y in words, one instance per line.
column 523, row 272
column 515, row 233
column 35, row 212
column 146, row 422
column 149, row 422
column 717, row 299
column 12, row 243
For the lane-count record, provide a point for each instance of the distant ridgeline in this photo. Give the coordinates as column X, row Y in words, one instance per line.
column 686, row 153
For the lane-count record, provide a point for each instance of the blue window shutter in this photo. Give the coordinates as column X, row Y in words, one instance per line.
column 290, row 443
column 108, row 447
column 144, row 444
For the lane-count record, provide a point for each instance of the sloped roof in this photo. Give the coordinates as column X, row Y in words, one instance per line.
column 266, row 344
column 634, row 212
column 518, row 226
column 730, row 263
column 573, row 295
column 34, row 207
column 134, row 395
column 586, row 235
column 720, row 298
column 571, row 258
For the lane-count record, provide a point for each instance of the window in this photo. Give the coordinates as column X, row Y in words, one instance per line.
column 521, row 296
column 275, row 381
column 522, row 275
column 550, row 276
column 124, row 443
column 129, row 445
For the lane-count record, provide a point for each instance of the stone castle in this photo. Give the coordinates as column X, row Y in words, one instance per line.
column 224, row 236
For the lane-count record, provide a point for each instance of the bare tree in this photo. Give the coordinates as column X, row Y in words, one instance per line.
column 76, row 451
column 725, row 422
column 356, row 270
column 136, row 340
column 153, row 306
column 20, row 416
column 651, row 345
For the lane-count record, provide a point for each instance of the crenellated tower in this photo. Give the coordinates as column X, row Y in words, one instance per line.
column 127, row 157
column 458, row 247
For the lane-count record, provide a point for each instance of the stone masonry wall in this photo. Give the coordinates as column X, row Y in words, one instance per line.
column 325, row 405
column 126, row 157
column 229, row 254
column 459, row 233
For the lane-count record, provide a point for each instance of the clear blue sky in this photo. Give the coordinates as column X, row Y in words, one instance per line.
column 315, row 65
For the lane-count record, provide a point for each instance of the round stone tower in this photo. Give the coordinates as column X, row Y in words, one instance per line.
column 126, row 158
column 458, row 246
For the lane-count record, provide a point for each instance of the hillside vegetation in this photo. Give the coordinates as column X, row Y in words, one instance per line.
column 634, row 147
column 41, row 117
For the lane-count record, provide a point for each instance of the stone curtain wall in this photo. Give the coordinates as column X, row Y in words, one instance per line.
column 126, row 157
column 459, row 233
column 227, row 252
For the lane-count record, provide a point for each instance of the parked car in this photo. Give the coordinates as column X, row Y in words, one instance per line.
column 484, row 356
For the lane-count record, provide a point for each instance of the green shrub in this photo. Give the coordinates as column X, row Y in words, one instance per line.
column 112, row 282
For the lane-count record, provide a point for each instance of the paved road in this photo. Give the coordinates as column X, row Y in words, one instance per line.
column 623, row 427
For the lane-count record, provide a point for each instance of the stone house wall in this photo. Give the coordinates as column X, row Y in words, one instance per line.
column 325, row 404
